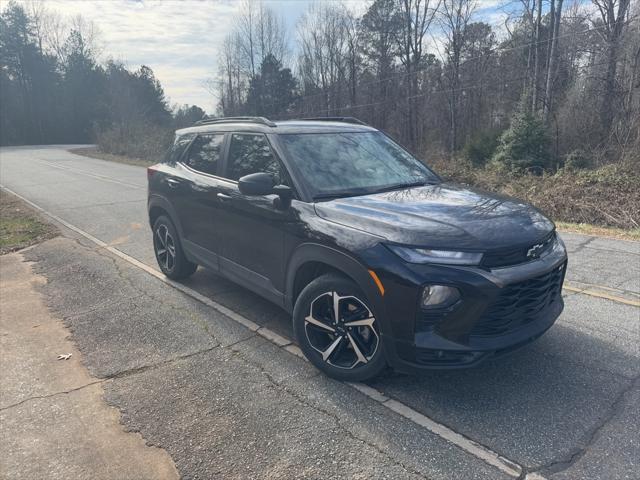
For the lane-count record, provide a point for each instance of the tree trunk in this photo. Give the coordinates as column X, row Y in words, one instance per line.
column 536, row 68
column 551, row 71
column 606, row 111
column 614, row 33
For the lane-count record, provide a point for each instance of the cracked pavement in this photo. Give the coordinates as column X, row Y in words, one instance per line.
column 224, row 402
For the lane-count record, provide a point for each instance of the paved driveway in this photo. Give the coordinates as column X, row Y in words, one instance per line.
column 566, row 406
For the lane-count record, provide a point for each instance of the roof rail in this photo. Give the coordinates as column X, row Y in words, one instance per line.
column 336, row 119
column 212, row 120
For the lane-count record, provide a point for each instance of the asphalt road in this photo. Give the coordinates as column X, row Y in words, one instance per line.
column 222, row 401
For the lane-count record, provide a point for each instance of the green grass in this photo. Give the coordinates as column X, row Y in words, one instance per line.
column 20, row 226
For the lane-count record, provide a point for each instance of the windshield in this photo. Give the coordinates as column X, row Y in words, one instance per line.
column 354, row 163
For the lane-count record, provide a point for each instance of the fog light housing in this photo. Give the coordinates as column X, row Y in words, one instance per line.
column 439, row 296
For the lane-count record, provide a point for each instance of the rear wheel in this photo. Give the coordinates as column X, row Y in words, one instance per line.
column 168, row 250
column 337, row 330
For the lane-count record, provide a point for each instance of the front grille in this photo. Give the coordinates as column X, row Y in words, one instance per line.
column 520, row 304
column 515, row 256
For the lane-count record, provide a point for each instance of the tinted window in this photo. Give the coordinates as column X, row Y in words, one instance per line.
column 252, row 154
column 179, row 144
column 205, row 153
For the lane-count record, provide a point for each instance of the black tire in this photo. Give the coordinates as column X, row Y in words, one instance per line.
column 338, row 350
column 168, row 250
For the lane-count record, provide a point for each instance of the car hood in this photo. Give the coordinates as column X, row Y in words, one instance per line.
column 440, row 216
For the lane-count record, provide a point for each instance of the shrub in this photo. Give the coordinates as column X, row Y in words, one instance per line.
column 138, row 140
column 577, row 160
column 524, row 146
column 607, row 196
column 481, row 148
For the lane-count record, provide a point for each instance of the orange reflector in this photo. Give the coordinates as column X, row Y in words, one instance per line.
column 378, row 282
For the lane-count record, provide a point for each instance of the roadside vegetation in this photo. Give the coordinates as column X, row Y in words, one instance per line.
column 547, row 109
column 587, row 201
column 96, row 152
column 20, row 225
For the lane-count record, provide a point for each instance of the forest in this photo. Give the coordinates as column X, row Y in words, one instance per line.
column 542, row 102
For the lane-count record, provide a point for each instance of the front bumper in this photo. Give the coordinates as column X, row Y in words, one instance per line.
column 500, row 311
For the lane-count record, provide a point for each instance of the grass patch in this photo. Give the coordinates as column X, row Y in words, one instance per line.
column 20, row 225
column 93, row 152
column 587, row 229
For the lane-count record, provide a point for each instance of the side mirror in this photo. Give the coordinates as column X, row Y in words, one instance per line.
column 256, row 184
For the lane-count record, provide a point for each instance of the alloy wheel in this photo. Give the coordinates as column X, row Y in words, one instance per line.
column 165, row 248
column 342, row 329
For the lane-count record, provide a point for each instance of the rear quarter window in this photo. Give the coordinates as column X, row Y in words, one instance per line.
column 178, row 147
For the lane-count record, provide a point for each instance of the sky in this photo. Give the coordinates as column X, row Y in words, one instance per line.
column 179, row 40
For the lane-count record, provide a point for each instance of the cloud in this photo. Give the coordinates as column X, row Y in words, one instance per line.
column 177, row 39
column 180, row 40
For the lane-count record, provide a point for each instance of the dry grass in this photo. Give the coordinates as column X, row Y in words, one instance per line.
column 20, row 225
column 606, row 197
column 94, row 152
column 586, row 229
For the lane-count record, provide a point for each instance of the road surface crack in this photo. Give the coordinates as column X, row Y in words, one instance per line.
column 583, row 245
column 51, row 395
column 591, row 435
column 305, row 402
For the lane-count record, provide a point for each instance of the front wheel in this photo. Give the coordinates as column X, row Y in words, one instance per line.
column 168, row 250
column 337, row 330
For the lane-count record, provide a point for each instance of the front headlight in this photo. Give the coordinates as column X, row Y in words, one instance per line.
column 558, row 244
column 423, row 255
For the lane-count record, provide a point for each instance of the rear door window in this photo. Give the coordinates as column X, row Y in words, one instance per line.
column 205, row 153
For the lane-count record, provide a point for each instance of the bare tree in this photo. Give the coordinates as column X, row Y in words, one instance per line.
column 271, row 34
column 537, row 54
column 556, row 14
column 230, row 83
column 258, row 33
column 416, row 18
column 379, row 29
column 454, row 18
column 328, row 55
column 612, row 14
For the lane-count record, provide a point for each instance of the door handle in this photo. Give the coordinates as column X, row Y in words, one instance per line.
column 224, row 197
column 172, row 182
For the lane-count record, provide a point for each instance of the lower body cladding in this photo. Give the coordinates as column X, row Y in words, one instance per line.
column 497, row 312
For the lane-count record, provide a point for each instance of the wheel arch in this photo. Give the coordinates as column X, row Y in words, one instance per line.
column 310, row 260
column 158, row 206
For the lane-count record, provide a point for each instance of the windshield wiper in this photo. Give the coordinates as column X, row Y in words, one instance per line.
column 369, row 191
column 399, row 186
column 342, row 194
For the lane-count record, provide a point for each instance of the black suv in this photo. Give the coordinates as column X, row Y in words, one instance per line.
column 379, row 261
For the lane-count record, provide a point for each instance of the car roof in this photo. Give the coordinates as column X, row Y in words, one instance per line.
column 279, row 127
